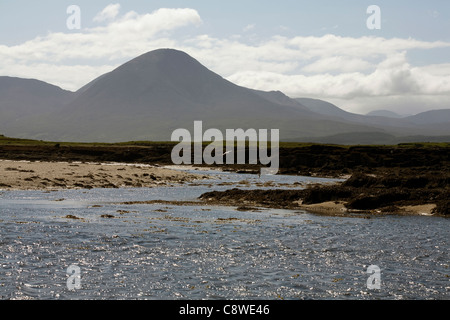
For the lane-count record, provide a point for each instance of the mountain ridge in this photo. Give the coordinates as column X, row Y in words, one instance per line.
column 149, row 96
column 385, row 113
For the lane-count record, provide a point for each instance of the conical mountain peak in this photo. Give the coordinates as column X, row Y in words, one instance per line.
column 163, row 58
column 159, row 91
column 155, row 75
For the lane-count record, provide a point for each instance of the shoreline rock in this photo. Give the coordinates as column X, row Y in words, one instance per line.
column 403, row 192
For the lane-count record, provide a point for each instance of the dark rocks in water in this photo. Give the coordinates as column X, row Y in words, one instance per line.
column 320, row 194
column 272, row 198
column 384, row 191
column 70, row 216
column 246, row 208
column 443, row 207
column 369, row 202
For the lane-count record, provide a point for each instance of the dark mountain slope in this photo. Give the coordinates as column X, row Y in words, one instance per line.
column 25, row 98
column 152, row 95
column 162, row 90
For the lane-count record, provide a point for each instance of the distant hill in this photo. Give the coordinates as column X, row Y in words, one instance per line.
column 324, row 107
column 280, row 98
column 353, row 138
column 162, row 90
column 431, row 117
column 430, row 123
column 25, row 98
column 329, row 109
column 384, row 113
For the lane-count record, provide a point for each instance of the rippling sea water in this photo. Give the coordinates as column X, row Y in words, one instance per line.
column 165, row 251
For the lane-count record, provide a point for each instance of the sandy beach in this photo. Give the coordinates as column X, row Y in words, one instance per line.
column 338, row 208
column 26, row 175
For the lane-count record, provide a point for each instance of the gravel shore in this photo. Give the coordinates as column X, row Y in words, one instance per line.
column 26, row 175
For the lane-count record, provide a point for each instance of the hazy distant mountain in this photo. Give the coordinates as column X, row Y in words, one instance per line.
column 431, row 117
column 25, row 98
column 280, row 98
column 329, row 109
column 152, row 95
column 324, row 107
column 384, row 113
column 427, row 125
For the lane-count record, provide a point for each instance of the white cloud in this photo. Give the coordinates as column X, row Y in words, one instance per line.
column 338, row 63
column 401, row 104
column 125, row 37
column 108, row 13
column 283, row 28
column 392, row 77
column 249, row 27
column 69, row 77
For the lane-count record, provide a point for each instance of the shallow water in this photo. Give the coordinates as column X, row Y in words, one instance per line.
column 162, row 251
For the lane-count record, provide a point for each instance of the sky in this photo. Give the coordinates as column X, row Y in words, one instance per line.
column 394, row 58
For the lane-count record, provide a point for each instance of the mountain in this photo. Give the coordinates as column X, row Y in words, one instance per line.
column 151, row 95
column 280, row 98
column 384, row 113
column 329, row 109
column 24, row 98
column 324, row 108
column 431, row 117
column 428, row 124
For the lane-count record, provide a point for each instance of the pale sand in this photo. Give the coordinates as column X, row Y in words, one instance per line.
column 423, row 210
column 24, row 175
column 338, row 208
column 330, row 207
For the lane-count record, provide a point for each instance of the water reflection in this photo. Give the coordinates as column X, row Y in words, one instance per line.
column 163, row 251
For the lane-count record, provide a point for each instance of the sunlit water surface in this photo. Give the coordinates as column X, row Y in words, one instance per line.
column 168, row 251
